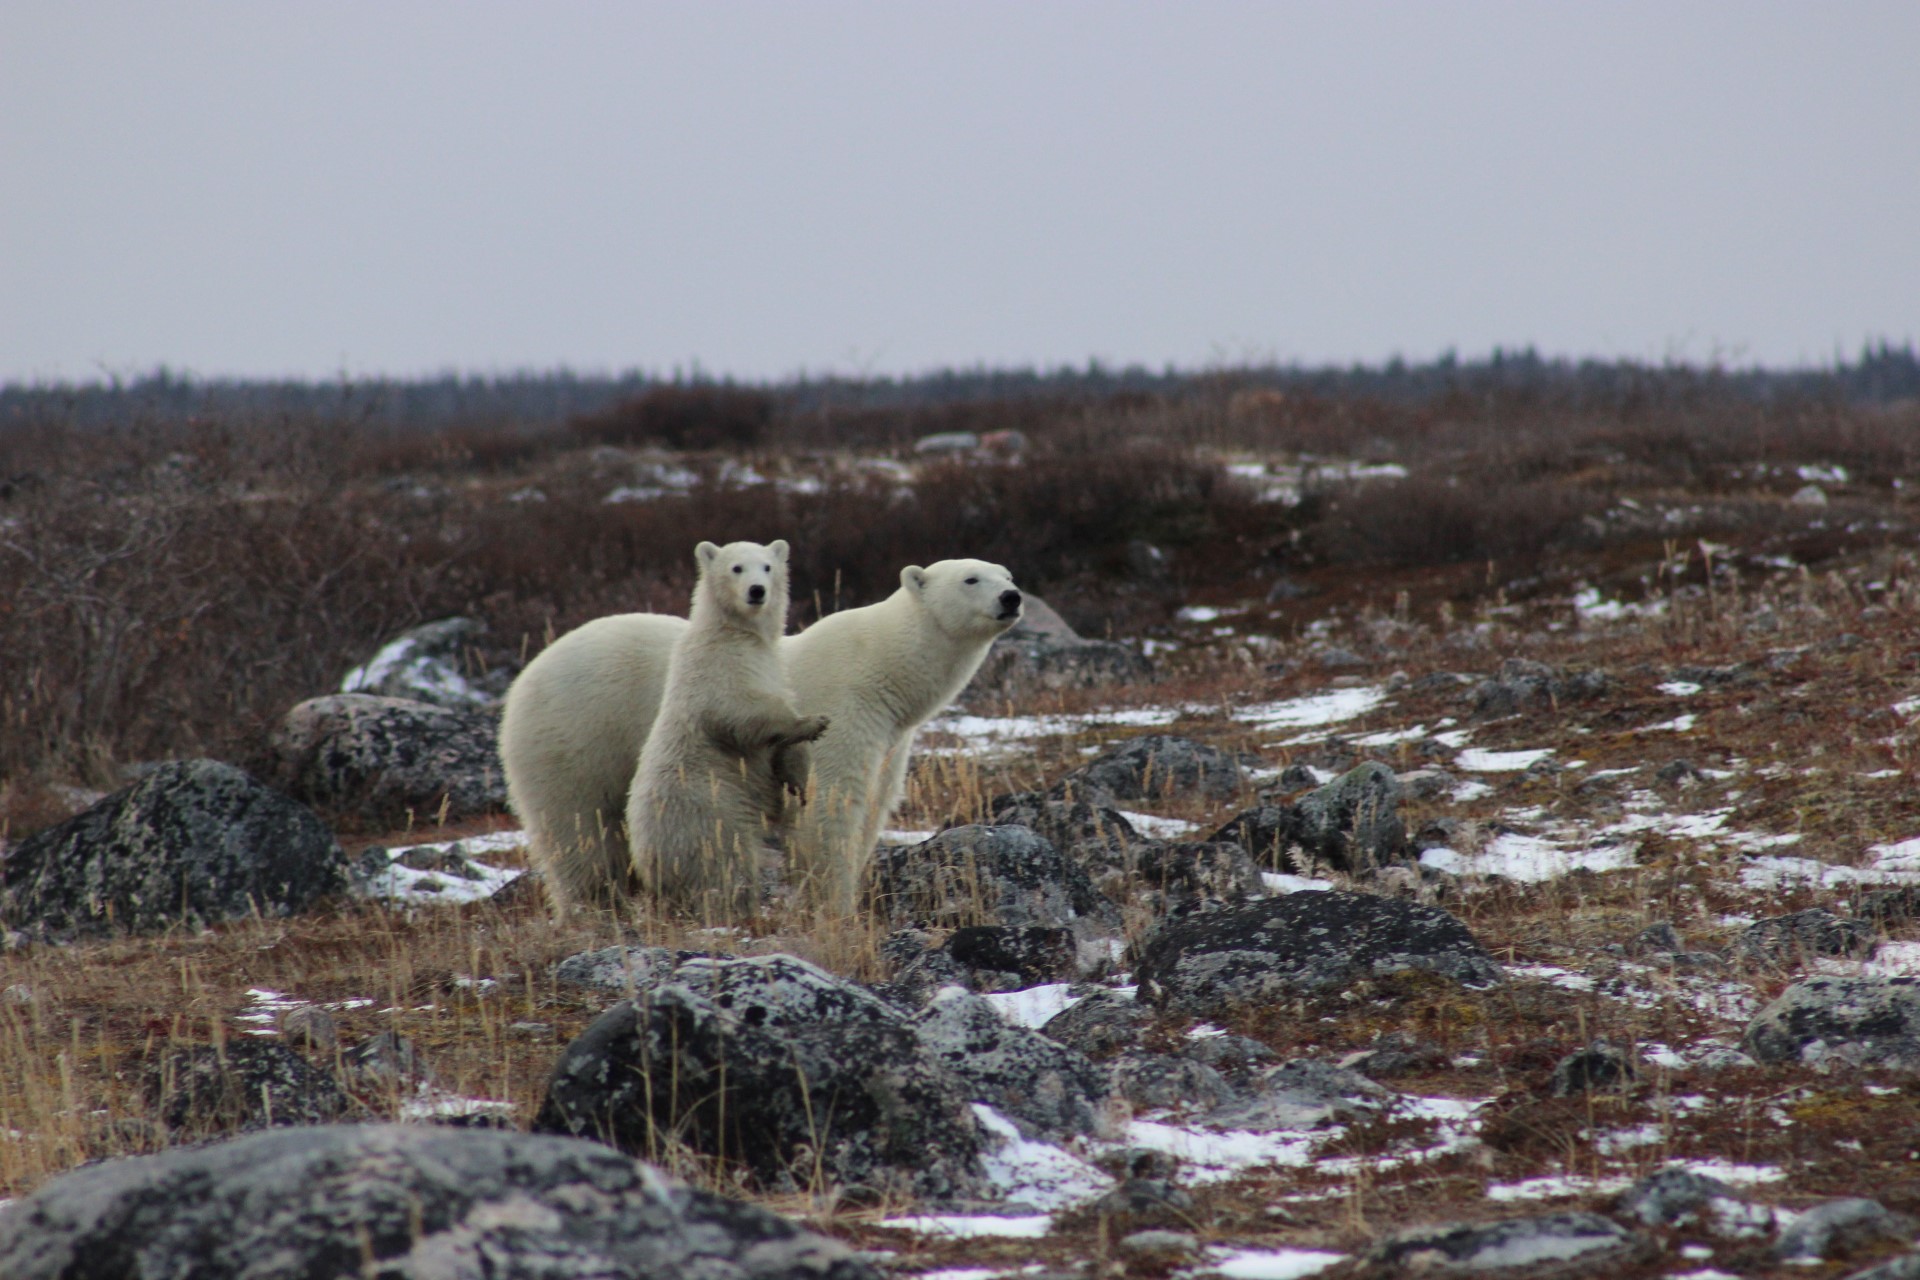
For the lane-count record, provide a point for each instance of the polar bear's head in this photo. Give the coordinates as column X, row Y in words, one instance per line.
column 745, row 580
column 967, row 598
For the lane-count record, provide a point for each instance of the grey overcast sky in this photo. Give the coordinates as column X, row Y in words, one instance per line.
column 315, row 188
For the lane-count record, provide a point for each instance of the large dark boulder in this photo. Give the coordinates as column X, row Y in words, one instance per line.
column 240, row 1085
column 1040, row 1083
column 1840, row 1021
column 1005, row 875
column 1300, row 945
column 1157, row 766
column 779, row 1069
column 408, row 1202
column 195, row 842
column 382, row 760
column 1351, row 824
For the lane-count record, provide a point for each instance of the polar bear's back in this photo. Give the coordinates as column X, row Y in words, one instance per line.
column 571, row 731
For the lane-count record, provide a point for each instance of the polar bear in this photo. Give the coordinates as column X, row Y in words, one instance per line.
column 879, row 673
column 577, row 717
column 709, row 790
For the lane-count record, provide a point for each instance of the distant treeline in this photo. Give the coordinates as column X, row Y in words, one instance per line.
column 1883, row 373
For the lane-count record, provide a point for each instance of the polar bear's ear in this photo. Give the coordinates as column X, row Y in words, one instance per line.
column 913, row 577
column 779, row 548
column 706, row 553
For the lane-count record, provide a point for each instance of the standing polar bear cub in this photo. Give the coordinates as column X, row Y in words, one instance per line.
column 710, row 786
column 578, row 716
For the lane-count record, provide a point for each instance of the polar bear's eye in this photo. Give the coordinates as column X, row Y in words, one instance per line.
column 737, row 568
column 973, row 581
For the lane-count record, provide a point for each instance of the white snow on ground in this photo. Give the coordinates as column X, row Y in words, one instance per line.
column 1391, row 737
column 1033, row 1006
column 1474, row 760
column 1212, row 1157
column 1198, row 613
column 959, row 1273
column 1592, row 607
column 1679, row 688
column 400, row 884
column 1529, row 859
column 264, row 1009
column 1775, row 873
column 1679, row 724
column 1268, row 1264
column 1025, row 1227
column 1558, row 1185
column 1038, row 1174
column 895, row 836
column 1331, row 707
column 983, row 734
column 432, row 1105
column 1278, row 882
column 1157, row 827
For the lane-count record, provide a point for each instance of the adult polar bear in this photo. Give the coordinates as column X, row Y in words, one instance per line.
column 577, row 718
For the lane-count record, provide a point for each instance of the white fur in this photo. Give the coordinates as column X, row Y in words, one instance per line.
column 580, row 713
column 707, row 795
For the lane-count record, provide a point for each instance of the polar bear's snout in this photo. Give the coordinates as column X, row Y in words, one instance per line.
column 757, row 594
column 1009, row 605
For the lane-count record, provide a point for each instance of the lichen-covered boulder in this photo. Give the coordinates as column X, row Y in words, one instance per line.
column 1301, row 944
column 775, row 1067
column 381, row 760
column 410, row 1202
column 1038, row 1082
column 1156, row 766
column 195, row 842
column 1869, row 1021
column 1004, row 875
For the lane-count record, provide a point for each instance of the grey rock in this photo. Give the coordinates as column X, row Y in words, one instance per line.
column 1037, row 1082
column 241, row 1085
column 1238, row 1058
column 1838, row 1228
column 1353, row 823
column 429, row 663
column 195, row 842
column 1155, row 1081
column 1720, row 1057
column 1193, row 875
column 1012, row 958
column 1301, row 1094
column 1792, row 939
column 1297, row 777
column 1904, row 1267
column 1157, row 766
column 1395, row 1053
column 1302, row 944
column 1143, row 1200
column 1885, row 907
column 387, row 1060
column 622, row 970
column 379, row 759
column 1043, row 654
column 1559, row 1244
column 1096, row 836
column 1599, row 1066
column 1525, row 685
column 1659, row 938
column 1427, row 784
column 1840, row 1021
column 410, row 1202
column 1004, row 875
column 1679, row 1198
column 310, row 1028
column 1101, row 1025
column 800, row 1080
column 1160, row 1243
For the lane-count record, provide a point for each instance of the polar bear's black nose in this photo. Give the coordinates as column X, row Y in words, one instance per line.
column 1009, row 603
column 756, row 594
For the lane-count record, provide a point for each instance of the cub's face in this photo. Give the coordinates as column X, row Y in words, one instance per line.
column 746, row 577
column 969, row 598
